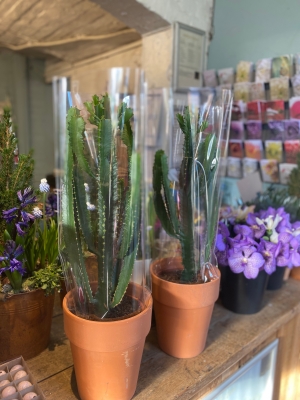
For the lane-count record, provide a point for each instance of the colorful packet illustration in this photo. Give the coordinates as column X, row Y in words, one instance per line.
column 226, row 75
column 294, row 104
column 275, row 110
column 263, row 70
column 281, row 66
column 276, row 130
column 254, row 129
column 249, row 166
column 269, row 171
column 234, row 167
column 244, row 71
column 210, row 78
column 273, row 150
column 254, row 149
column 279, row 88
column 236, row 130
column 292, row 149
column 257, row 91
column 236, row 148
column 291, row 129
column 284, row 172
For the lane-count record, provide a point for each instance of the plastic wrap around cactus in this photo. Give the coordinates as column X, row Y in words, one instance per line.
column 101, row 210
column 187, row 203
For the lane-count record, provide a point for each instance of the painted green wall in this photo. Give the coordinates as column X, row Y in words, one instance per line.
column 251, row 30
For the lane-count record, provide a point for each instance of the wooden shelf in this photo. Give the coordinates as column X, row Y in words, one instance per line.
column 232, row 341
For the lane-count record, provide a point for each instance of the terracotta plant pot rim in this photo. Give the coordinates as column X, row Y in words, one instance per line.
column 108, row 328
column 26, row 293
column 185, row 296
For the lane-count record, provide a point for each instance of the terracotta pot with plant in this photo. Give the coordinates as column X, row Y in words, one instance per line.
column 186, row 286
column 28, row 252
column 107, row 314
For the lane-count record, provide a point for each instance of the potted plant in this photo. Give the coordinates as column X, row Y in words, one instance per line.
column 107, row 314
column 28, row 253
column 186, row 199
column 250, row 247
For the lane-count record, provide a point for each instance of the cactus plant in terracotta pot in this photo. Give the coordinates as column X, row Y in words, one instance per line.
column 186, row 198
column 28, row 252
column 107, row 311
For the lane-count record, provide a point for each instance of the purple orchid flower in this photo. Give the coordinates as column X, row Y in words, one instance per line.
column 243, row 230
column 246, row 260
column 284, row 253
column 294, row 259
column 257, row 229
column 269, row 252
column 240, row 241
column 10, row 254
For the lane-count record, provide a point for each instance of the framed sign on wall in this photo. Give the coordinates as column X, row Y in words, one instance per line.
column 188, row 57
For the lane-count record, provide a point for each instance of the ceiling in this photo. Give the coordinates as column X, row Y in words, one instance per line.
column 61, row 30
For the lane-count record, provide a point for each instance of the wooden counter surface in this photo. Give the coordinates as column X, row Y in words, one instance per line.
column 232, row 340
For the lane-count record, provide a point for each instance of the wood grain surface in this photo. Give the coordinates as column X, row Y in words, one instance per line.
column 232, row 341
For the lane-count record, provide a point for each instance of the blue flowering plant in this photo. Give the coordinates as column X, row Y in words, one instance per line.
column 249, row 242
column 30, row 250
column 28, row 228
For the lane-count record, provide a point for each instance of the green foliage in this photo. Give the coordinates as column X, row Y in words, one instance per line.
column 13, row 177
column 197, row 182
column 110, row 230
column 47, row 279
column 294, row 180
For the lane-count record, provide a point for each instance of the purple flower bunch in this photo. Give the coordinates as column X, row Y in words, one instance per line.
column 261, row 240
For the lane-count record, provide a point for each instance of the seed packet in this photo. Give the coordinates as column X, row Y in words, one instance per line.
column 254, row 129
column 256, row 110
column 279, row 88
column 275, row 110
column 242, row 91
column 281, row 66
column 238, row 111
column 234, row 167
column 254, row 149
column 291, row 129
column 210, row 78
column 295, row 107
column 296, row 84
column 236, row 130
column 292, row 149
column 236, row 148
column 276, row 130
column 226, row 75
column 244, row 71
column 284, row 172
column 249, row 166
column 257, row 91
column 273, row 150
column 269, row 171
column 263, row 70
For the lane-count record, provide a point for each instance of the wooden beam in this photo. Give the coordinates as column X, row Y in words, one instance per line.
column 133, row 14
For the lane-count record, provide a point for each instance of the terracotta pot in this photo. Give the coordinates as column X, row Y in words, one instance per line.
column 107, row 355
column 295, row 273
column 182, row 311
column 25, row 324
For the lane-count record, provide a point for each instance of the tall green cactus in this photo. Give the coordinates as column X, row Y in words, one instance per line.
column 108, row 224
column 201, row 156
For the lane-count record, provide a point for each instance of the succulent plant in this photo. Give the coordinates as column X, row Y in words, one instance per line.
column 198, row 195
column 101, row 210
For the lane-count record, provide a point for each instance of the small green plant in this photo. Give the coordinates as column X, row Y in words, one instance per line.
column 101, row 210
column 197, row 191
column 28, row 235
column 14, row 176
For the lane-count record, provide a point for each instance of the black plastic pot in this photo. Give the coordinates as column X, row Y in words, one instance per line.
column 276, row 279
column 242, row 295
